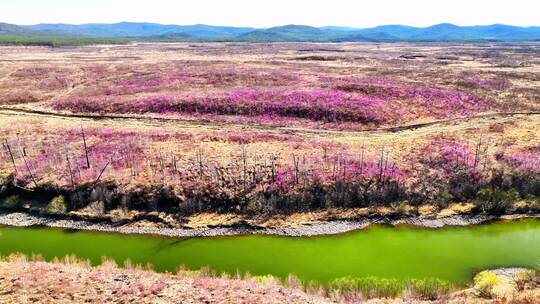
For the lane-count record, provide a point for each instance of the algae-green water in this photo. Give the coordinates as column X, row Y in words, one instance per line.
column 452, row 253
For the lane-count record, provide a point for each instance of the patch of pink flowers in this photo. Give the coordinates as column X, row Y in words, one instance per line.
column 447, row 155
column 407, row 99
column 276, row 94
column 528, row 161
column 322, row 105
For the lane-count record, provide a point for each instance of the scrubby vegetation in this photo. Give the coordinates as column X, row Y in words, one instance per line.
column 354, row 289
column 74, row 280
column 273, row 134
column 115, row 166
column 12, row 202
column 57, row 205
column 486, row 282
column 528, row 279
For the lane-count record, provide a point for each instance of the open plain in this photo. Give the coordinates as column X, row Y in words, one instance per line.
column 294, row 139
column 268, row 129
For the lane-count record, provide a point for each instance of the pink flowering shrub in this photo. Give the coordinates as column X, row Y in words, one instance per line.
column 406, row 99
column 318, row 105
column 520, row 171
column 322, row 105
column 273, row 95
column 448, row 168
column 527, row 161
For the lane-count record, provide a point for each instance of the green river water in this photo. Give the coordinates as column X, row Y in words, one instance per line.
column 452, row 253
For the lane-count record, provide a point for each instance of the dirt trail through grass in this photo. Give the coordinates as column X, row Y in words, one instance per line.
column 137, row 120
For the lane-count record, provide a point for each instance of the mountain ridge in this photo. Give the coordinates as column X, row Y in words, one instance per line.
column 286, row 33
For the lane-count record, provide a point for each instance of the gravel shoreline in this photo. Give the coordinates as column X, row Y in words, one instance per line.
column 324, row 228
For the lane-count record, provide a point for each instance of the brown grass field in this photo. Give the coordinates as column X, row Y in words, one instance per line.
column 232, row 127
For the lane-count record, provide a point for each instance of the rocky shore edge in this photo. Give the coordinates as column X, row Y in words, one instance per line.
column 20, row 219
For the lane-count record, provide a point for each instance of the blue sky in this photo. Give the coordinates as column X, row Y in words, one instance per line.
column 267, row 13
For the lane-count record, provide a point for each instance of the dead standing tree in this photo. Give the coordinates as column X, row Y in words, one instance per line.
column 381, row 166
column 85, row 148
column 296, row 168
column 72, row 178
column 70, row 169
column 200, row 164
column 11, row 156
column 244, row 159
column 105, row 168
column 273, row 167
column 27, row 166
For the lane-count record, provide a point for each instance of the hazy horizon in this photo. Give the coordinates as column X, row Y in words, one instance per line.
column 277, row 25
column 243, row 13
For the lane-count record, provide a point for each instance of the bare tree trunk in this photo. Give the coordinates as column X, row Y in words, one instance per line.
column 244, row 158
column 200, row 161
column 255, row 168
column 161, row 164
column 28, row 167
column 477, row 152
column 296, row 170
column 11, row 156
column 72, row 178
column 344, row 167
column 103, row 170
column 70, row 171
column 486, row 156
column 85, row 149
column 381, row 163
column 273, row 165
column 362, row 160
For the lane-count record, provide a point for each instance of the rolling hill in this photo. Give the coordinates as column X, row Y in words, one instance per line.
column 12, row 29
column 293, row 33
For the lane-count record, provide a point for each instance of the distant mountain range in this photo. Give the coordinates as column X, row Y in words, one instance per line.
column 131, row 29
column 292, row 33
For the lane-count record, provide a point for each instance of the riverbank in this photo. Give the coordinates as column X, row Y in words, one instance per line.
column 225, row 225
column 74, row 281
column 24, row 280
